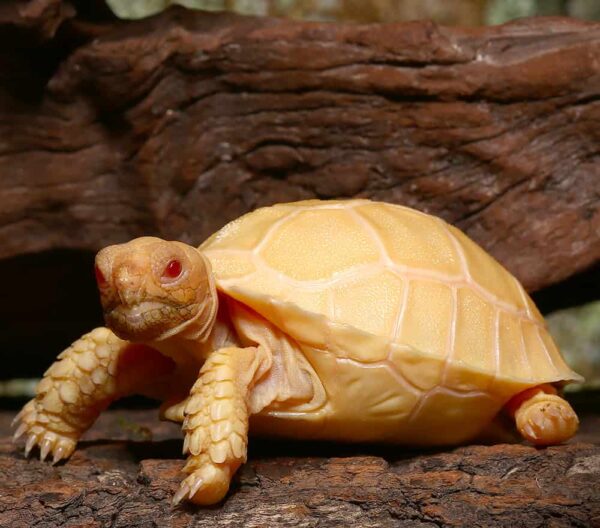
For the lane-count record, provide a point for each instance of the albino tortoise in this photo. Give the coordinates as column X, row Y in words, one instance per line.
column 346, row 320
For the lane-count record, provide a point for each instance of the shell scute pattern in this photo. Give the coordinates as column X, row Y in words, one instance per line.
column 375, row 282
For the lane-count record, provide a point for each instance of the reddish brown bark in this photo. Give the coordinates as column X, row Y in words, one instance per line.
column 175, row 125
column 124, row 475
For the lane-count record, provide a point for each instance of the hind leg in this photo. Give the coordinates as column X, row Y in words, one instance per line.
column 542, row 416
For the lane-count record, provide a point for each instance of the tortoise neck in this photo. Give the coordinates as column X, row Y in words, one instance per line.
column 199, row 327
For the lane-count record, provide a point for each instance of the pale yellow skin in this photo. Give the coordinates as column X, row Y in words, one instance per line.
column 345, row 320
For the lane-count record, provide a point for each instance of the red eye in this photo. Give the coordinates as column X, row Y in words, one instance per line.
column 172, row 269
column 100, row 278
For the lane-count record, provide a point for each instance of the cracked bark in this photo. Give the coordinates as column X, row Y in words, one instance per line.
column 175, row 125
column 126, row 471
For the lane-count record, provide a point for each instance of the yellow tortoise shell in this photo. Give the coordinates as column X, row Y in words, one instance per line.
column 379, row 284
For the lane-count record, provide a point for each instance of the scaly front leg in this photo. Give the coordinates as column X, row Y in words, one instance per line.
column 95, row 370
column 216, row 422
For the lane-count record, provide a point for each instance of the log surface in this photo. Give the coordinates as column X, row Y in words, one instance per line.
column 126, row 471
column 177, row 124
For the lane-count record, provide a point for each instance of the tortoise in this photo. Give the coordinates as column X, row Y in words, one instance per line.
column 347, row 320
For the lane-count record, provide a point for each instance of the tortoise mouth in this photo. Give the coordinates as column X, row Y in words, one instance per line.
column 146, row 320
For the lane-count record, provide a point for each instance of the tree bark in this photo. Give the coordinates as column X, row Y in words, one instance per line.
column 175, row 125
column 127, row 470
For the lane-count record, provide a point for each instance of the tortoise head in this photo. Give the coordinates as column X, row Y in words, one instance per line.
column 152, row 289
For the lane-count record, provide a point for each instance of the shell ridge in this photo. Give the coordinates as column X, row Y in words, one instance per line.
column 401, row 311
column 522, row 294
column 546, row 351
column 523, row 349
column 364, row 222
column 496, row 345
column 451, row 343
column 487, row 296
column 458, row 248
column 272, row 229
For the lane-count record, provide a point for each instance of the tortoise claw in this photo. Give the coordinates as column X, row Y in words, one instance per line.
column 19, row 432
column 17, row 418
column 35, row 426
column 45, row 447
column 31, row 441
column 208, row 484
column 59, row 454
column 182, row 492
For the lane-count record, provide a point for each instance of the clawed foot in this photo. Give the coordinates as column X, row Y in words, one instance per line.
column 208, row 484
column 548, row 421
column 34, row 427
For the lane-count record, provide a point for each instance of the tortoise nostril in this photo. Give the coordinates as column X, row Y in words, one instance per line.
column 128, row 285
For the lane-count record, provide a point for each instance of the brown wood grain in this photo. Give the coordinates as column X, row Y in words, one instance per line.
column 177, row 124
column 125, row 472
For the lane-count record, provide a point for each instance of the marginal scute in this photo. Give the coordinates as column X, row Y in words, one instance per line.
column 552, row 350
column 514, row 362
column 347, row 342
column 537, row 354
column 311, row 300
column 232, row 264
column 306, row 327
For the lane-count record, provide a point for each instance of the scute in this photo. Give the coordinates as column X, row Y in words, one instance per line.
column 316, row 244
column 516, row 363
column 370, row 303
column 247, row 231
column 430, row 333
column 537, row 354
column 475, row 334
column 486, row 272
column 412, row 239
column 379, row 284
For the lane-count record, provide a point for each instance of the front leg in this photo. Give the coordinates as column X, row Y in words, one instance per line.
column 95, row 370
column 216, row 422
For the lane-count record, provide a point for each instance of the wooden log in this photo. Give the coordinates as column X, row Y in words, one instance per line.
column 177, row 124
column 38, row 20
column 127, row 470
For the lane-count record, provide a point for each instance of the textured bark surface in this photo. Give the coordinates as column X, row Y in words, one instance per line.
column 177, row 124
column 126, row 472
column 38, row 18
